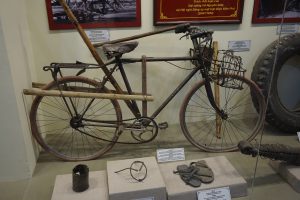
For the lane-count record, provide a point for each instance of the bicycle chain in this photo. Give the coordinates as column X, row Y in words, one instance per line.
column 119, row 132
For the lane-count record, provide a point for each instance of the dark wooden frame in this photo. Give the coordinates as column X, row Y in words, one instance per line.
column 257, row 10
column 215, row 19
column 111, row 24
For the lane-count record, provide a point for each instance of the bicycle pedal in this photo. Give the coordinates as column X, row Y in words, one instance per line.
column 163, row 125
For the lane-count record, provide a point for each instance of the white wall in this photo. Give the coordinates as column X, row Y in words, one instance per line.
column 67, row 46
column 16, row 148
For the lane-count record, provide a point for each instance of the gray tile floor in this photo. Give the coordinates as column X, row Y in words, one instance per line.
column 267, row 185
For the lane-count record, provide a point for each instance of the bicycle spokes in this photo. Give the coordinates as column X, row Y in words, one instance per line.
column 61, row 133
column 204, row 129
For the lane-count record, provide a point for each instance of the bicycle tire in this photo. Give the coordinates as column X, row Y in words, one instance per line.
column 198, row 118
column 51, row 121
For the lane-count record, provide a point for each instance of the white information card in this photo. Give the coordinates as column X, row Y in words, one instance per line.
column 167, row 155
column 98, row 35
column 214, row 194
column 287, row 28
column 239, row 45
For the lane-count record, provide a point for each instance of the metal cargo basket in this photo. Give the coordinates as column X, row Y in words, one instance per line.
column 229, row 64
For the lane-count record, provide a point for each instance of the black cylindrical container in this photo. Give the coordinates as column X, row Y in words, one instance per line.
column 80, row 178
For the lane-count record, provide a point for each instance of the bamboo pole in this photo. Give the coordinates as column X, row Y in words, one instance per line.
column 38, row 85
column 41, row 85
column 57, row 93
column 93, row 51
column 136, row 36
column 144, row 85
column 217, row 93
column 84, row 36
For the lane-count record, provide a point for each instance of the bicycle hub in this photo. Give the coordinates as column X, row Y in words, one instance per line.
column 76, row 122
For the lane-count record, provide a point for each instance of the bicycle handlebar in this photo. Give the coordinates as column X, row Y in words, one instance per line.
column 182, row 28
column 201, row 34
column 194, row 31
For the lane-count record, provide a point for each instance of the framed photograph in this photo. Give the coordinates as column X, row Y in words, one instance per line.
column 197, row 11
column 271, row 11
column 95, row 13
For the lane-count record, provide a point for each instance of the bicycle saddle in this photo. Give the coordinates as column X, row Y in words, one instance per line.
column 113, row 50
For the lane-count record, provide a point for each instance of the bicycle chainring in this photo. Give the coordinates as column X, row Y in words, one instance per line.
column 144, row 129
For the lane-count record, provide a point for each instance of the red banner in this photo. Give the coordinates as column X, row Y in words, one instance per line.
column 200, row 11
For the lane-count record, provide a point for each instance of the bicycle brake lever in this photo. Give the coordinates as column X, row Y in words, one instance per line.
column 46, row 68
column 185, row 35
column 81, row 71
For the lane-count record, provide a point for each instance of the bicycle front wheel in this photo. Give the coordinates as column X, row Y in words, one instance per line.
column 57, row 126
column 207, row 130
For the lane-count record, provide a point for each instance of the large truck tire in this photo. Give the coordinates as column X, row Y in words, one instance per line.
column 278, row 115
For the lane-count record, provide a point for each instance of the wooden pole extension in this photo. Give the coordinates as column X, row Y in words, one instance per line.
column 144, row 85
column 57, row 93
column 135, row 36
column 83, row 35
column 93, row 51
column 217, row 93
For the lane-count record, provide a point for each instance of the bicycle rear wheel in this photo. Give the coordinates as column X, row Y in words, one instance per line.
column 199, row 121
column 59, row 131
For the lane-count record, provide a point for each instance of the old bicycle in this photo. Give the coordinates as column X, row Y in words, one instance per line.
column 76, row 118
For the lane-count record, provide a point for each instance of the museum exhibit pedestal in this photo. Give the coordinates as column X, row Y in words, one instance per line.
column 225, row 176
column 97, row 188
column 122, row 186
column 289, row 173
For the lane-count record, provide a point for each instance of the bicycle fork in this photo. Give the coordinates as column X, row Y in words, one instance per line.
column 210, row 94
column 220, row 114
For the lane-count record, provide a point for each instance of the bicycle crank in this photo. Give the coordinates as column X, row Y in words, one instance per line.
column 144, row 129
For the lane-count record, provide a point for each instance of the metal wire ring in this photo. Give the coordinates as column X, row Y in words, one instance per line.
column 135, row 172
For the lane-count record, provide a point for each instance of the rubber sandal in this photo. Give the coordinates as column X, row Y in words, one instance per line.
column 187, row 173
column 204, row 173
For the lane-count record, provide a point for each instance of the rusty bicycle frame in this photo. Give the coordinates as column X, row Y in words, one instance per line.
column 130, row 99
column 202, row 63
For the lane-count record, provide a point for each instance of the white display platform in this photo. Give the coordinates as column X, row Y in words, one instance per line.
column 289, row 173
column 97, row 188
column 225, row 175
column 122, row 187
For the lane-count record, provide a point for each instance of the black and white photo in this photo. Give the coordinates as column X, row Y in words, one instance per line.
column 95, row 13
column 272, row 11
